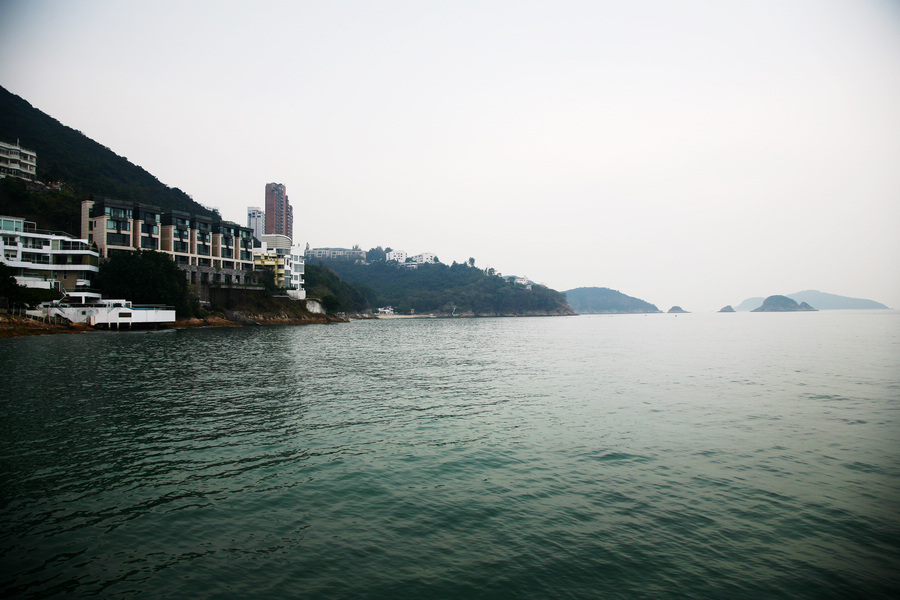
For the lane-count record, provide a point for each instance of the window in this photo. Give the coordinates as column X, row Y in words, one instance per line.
column 118, row 239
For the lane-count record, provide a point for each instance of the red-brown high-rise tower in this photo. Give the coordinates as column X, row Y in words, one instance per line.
column 279, row 214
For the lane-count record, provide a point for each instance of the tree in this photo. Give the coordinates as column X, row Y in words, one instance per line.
column 471, row 262
column 13, row 294
column 145, row 277
column 375, row 254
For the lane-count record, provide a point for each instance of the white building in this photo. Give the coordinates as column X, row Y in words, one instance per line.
column 352, row 254
column 425, row 257
column 276, row 241
column 256, row 220
column 298, row 268
column 45, row 259
column 398, row 255
column 287, row 264
column 16, row 161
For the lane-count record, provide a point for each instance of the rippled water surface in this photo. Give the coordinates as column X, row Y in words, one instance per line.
column 704, row 456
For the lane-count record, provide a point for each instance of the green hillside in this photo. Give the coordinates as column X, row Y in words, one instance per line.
column 446, row 290
column 84, row 166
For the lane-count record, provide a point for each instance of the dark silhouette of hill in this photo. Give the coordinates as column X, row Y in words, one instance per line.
column 600, row 300
column 782, row 304
column 86, row 167
column 820, row 300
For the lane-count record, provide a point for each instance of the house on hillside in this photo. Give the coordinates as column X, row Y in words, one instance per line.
column 353, row 254
column 16, row 161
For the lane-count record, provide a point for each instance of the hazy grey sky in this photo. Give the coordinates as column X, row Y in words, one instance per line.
column 690, row 153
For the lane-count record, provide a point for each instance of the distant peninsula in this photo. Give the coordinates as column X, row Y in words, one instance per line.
column 782, row 304
column 601, row 300
column 821, row 301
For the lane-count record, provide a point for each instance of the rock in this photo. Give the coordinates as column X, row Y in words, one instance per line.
column 782, row 304
column 677, row 310
column 728, row 308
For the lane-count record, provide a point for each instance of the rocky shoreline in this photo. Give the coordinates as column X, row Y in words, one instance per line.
column 16, row 326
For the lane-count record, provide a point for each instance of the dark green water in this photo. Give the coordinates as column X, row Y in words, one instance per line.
column 704, row 456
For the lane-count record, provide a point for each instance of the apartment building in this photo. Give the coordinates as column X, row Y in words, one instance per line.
column 285, row 262
column 279, row 214
column 46, row 259
column 16, row 161
column 256, row 221
column 210, row 250
column 336, row 254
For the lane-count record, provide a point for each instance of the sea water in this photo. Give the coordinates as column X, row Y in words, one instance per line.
column 740, row 455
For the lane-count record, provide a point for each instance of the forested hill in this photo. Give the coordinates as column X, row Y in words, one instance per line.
column 446, row 290
column 604, row 301
column 86, row 167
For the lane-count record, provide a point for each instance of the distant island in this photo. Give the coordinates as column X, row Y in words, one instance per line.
column 727, row 308
column 600, row 300
column 677, row 310
column 782, row 304
column 821, row 301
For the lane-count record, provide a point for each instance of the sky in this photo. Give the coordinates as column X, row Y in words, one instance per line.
column 691, row 153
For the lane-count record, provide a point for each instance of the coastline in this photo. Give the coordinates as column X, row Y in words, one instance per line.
column 14, row 326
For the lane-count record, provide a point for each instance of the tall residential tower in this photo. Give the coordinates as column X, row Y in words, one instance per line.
column 256, row 220
column 279, row 214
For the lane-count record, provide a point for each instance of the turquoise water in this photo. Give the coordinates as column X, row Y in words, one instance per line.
column 747, row 455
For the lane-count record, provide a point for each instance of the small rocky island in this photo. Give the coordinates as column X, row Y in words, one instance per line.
column 782, row 304
column 677, row 310
column 728, row 308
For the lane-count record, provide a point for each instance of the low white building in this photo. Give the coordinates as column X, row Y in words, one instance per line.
column 398, row 255
column 98, row 312
column 352, row 254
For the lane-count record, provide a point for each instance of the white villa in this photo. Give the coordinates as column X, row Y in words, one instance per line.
column 46, row 259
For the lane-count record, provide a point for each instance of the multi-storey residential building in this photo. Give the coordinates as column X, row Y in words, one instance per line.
column 256, row 220
column 336, row 254
column 425, row 257
column 214, row 250
column 45, row 259
column 279, row 214
column 285, row 262
column 398, row 255
column 267, row 259
column 298, row 268
column 16, row 161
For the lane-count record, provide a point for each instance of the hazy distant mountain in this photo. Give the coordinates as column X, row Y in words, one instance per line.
column 596, row 300
column 820, row 300
column 824, row 301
